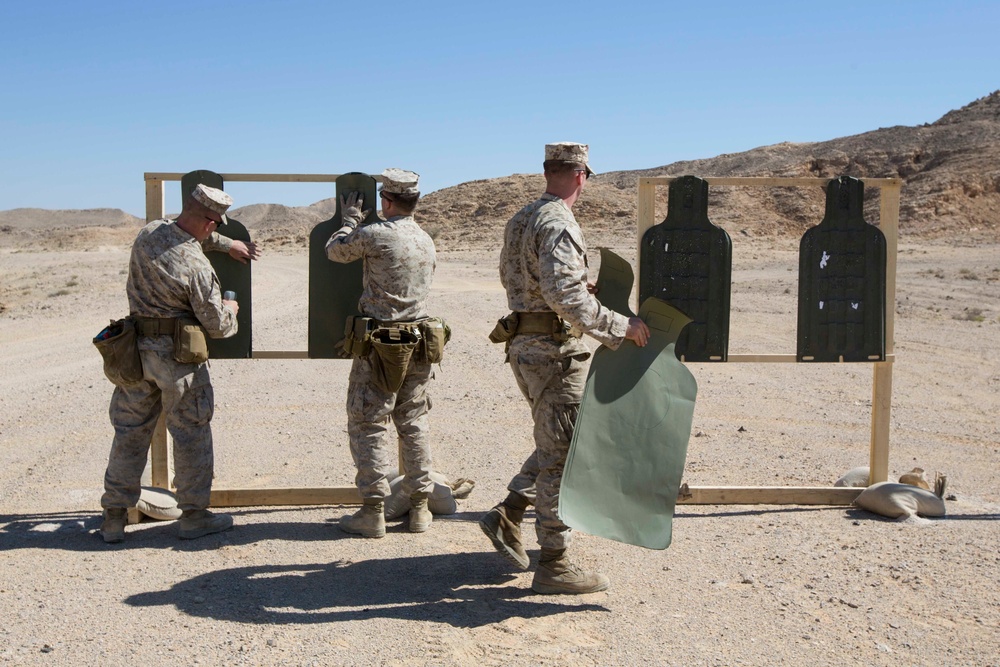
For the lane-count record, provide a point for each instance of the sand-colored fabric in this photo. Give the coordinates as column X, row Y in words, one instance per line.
column 442, row 499
column 900, row 501
column 855, row 477
column 158, row 504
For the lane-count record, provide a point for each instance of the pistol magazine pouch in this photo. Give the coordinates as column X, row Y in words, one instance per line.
column 190, row 342
column 394, row 347
column 358, row 335
column 435, row 334
column 119, row 346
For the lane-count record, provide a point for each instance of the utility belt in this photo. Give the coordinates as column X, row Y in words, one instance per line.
column 190, row 341
column 547, row 322
column 395, row 344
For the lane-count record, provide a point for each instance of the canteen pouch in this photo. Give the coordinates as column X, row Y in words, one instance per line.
column 393, row 350
column 118, row 344
column 435, row 333
column 357, row 335
column 190, row 344
column 505, row 329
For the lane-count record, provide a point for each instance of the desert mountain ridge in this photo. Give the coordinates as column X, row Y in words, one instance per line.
column 950, row 169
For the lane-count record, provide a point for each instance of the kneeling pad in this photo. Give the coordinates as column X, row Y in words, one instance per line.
column 898, row 501
column 158, row 504
column 441, row 500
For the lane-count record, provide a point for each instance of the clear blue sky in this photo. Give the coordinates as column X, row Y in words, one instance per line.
column 96, row 93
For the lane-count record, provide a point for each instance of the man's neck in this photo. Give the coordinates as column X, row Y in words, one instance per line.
column 569, row 197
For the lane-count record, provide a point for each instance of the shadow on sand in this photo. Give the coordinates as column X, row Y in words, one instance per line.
column 463, row 590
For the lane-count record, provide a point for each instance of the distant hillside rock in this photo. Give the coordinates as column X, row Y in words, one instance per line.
column 275, row 217
column 950, row 169
column 38, row 218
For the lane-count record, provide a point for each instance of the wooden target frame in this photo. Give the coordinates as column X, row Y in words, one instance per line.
column 161, row 459
column 882, row 370
column 160, row 450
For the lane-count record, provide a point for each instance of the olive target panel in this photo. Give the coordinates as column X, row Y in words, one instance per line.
column 335, row 288
column 233, row 275
column 614, row 283
column 842, row 265
column 625, row 463
column 688, row 262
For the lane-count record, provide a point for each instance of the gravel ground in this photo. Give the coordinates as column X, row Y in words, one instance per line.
column 752, row 585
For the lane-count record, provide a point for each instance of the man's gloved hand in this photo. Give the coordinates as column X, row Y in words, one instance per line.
column 350, row 210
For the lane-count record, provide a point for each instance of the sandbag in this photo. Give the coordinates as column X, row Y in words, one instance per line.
column 158, row 504
column 441, row 500
column 855, row 477
column 899, row 501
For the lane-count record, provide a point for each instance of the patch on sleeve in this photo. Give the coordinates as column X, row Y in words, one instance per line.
column 568, row 246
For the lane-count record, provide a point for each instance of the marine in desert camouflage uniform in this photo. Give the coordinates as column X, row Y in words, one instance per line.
column 543, row 267
column 170, row 277
column 399, row 262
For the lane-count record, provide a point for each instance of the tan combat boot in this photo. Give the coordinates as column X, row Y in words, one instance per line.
column 556, row 575
column 420, row 514
column 197, row 523
column 113, row 527
column 369, row 521
column 502, row 525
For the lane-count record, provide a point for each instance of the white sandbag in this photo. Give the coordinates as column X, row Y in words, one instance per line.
column 441, row 500
column 855, row 477
column 900, row 501
column 158, row 504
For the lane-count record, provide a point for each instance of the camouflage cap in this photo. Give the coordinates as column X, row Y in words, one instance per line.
column 400, row 182
column 213, row 199
column 569, row 151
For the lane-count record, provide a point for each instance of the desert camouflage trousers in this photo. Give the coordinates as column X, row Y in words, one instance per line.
column 369, row 411
column 552, row 378
column 184, row 393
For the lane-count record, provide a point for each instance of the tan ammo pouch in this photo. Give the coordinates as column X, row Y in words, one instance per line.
column 435, row 334
column 118, row 344
column 394, row 347
column 358, row 335
column 190, row 343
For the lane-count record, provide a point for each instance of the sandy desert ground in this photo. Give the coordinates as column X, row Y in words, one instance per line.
column 750, row 585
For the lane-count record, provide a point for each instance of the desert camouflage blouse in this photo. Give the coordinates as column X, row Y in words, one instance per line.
column 543, row 266
column 169, row 276
column 399, row 266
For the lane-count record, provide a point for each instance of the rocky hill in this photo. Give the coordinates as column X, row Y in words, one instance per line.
column 950, row 169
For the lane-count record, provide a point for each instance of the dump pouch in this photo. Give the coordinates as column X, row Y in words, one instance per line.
column 190, row 343
column 119, row 346
column 357, row 335
column 435, row 333
column 394, row 347
column 505, row 329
